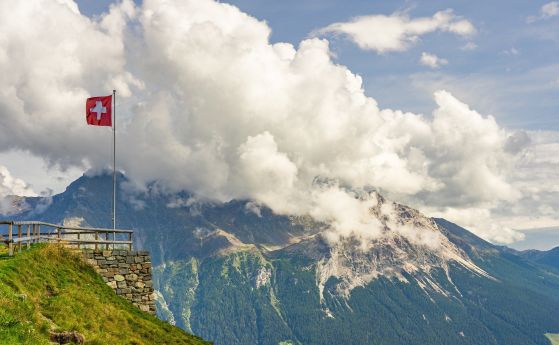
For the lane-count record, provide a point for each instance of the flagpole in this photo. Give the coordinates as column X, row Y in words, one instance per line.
column 114, row 160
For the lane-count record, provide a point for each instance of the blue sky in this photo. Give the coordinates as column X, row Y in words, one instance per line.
column 512, row 74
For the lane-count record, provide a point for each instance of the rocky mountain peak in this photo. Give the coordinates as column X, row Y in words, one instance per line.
column 410, row 246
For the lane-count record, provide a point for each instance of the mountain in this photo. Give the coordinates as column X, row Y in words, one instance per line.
column 236, row 273
column 50, row 289
column 549, row 258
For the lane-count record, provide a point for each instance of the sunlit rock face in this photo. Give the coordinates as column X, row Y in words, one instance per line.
column 407, row 246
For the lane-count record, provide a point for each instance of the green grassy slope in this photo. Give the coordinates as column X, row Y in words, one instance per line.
column 51, row 288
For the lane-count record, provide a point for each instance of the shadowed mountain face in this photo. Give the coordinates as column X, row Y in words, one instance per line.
column 549, row 258
column 236, row 273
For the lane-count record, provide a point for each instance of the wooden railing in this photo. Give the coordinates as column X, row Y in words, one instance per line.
column 16, row 234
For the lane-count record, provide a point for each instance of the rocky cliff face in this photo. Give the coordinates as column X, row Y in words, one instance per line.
column 411, row 246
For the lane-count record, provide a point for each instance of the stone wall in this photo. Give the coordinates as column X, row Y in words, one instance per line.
column 128, row 273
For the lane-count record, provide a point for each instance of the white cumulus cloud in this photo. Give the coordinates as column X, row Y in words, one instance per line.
column 207, row 103
column 432, row 60
column 397, row 32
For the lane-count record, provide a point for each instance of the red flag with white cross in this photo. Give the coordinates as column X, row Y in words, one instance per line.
column 98, row 111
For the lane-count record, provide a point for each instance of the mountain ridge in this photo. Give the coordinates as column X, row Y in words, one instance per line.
column 217, row 262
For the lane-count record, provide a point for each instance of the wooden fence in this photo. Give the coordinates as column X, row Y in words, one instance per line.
column 18, row 234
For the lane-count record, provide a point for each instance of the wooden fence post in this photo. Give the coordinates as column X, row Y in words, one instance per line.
column 10, row 243
column 96, row 239
column 28, row 236
column 79, row 239
column 19, row 237
column 130, row 239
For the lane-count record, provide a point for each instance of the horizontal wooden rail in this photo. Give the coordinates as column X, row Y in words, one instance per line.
column 68, row 235
column 67, row 227
column 31, row 238
column 97, row 242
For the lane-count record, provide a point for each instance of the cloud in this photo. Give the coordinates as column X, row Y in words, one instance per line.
column 512, row 51
column 469, row 46
column 480, row 221
column 207, row 104
column 47, row 70
column 398, row 31
column 534, row 174
column 266, row 174
column 551, row 9
column 10, row 189
column 432, row 60
column 10, row 185
column 254, row 208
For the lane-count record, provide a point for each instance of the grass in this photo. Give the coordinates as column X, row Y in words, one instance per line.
column 50, row 288
column 554, row 338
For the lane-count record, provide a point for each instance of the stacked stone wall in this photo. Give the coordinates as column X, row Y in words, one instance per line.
column 127, row 273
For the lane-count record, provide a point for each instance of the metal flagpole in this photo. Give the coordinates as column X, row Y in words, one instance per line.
column 114, row 162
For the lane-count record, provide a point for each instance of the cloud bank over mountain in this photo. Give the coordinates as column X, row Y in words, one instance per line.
column 206, row 103
column 10, row 185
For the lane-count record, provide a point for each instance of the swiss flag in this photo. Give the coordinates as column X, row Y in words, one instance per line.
column 99, row 111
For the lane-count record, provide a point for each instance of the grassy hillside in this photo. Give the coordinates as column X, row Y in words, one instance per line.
column 51, row 288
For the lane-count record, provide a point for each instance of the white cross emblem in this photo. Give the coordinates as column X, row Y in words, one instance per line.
column 99, row 109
